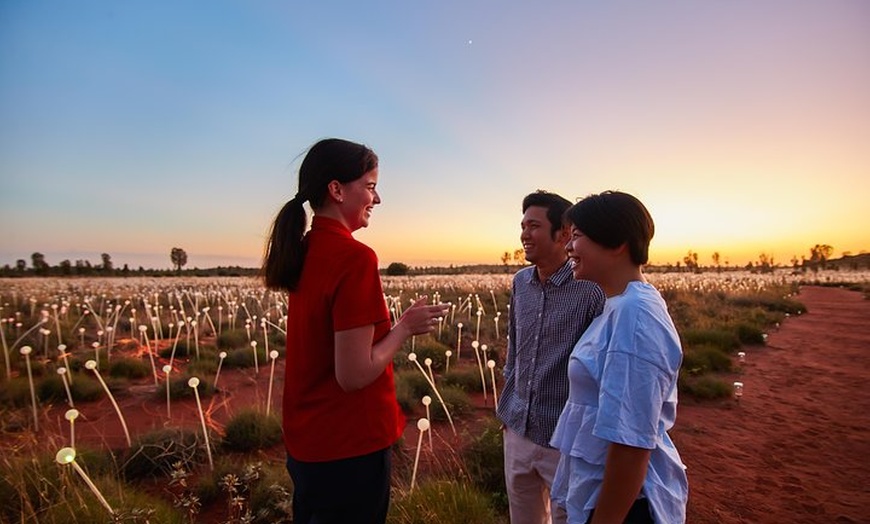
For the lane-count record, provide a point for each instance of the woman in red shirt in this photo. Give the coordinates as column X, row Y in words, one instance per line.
column 340, row 414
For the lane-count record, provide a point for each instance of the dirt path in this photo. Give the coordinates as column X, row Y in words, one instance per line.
column 797, row 447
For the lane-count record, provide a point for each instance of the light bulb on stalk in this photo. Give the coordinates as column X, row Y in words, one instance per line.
column 427, row 400
column 274, row 356
column 63, row 377
column 476, row 345
column 92, row 365
column 71, row 415
column 68, row 456
column 491, row 365
column 194, row 383
column 256, row 364
column 25, row 351
column 422, row 426
column 167, row 369
column 222, row 355
column 413, row 358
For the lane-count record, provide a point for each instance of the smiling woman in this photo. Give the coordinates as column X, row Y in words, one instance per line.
column 340, row 344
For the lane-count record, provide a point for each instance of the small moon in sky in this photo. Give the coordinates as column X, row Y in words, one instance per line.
column 469, row 42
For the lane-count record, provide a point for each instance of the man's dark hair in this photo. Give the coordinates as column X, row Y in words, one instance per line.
column 555, row 205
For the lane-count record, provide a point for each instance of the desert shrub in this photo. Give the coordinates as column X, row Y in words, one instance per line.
column 181, row 349
column 725, row 340
column 770, row 301
column 153, row 454
column 36, row 489
column 77, row 363
column 233, row 339
column 458, row 402
column 85, row 388
column 466, row 378
column 444, row 501
column 411, row 385
column 252, row 429
column 704, row 387
column 704, row 359
column 749, row 333
column 128, row 367
column 244, row 357
column 425, row 347
column 15, row 393
column 484, row 461
column 201, row 367
column 179, row 388
column 264, row 488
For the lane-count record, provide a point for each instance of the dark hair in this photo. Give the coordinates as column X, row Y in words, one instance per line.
column 555, row 204
column 327, row 160
column 613, row 218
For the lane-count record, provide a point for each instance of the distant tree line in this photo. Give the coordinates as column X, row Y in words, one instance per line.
column 40, row 267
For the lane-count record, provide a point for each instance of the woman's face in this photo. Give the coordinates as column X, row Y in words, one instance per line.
column 588, row 259
column 359, row 197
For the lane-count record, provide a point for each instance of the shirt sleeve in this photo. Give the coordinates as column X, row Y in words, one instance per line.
column 359, row 296
column 633, row 387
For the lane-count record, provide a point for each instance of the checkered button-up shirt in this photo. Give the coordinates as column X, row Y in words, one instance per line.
column 546, row 320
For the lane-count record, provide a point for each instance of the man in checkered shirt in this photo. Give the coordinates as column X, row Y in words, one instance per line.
column 549, row 311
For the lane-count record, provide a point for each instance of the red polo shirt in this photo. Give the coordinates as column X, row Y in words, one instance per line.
column 339, row 289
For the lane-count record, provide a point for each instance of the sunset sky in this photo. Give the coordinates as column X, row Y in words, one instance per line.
column 130, row 128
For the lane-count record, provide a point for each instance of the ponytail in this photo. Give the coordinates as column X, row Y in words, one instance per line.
column 285, row 251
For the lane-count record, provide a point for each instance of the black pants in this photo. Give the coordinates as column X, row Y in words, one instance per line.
column 638, row 514
column 355, row 490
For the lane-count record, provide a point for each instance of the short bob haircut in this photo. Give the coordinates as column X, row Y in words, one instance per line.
column 612, row 219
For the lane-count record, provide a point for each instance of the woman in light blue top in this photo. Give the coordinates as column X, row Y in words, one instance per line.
column 618, row 463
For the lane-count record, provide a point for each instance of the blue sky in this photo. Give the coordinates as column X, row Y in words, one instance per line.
column 133, row 127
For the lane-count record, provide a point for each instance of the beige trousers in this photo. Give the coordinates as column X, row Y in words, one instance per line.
column 528, row 471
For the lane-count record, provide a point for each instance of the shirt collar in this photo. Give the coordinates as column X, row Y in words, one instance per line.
column 322, row 223
column 562, row 275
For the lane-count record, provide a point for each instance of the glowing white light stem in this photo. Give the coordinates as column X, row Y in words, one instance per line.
column 25, row 350
column 90, row 364
column 491, row 365
column 222, row 355
column 413, row 358
column 62, row 371
column 68, row 456
column 274, row 356
column 194, row 382
column 422, row 425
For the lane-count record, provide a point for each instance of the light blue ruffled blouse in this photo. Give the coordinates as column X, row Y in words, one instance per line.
column 623, row 389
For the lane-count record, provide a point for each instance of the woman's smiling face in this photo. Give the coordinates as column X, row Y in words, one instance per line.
column 359, row 197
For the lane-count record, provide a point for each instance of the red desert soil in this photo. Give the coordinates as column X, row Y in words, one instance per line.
column 793, row 450
column 796, row 447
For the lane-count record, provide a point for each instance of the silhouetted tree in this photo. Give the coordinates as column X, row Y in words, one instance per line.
column 519, row 257
column 506, row 258
column 691, row 261
column 765, row 263
column 820, row 253
column 107, row 262
column 20, row 265
column 397, row 269
column 65, row 267
column 40, row 266
column 716, row 258
column 178, row 257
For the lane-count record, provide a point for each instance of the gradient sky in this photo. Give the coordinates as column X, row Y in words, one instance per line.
column 133, row 127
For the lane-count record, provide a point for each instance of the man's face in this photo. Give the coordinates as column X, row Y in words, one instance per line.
column 537, row 237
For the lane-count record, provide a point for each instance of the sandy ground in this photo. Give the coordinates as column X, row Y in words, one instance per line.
column 795, row 449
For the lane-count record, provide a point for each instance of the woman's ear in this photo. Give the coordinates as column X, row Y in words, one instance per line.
column 334, row 190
